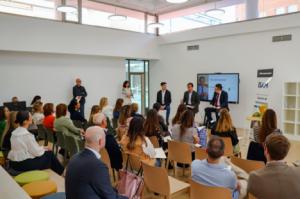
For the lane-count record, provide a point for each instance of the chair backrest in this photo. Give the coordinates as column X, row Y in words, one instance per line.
column 228, row 146
column 247, row 165
column 50, row 135
column 207, row 192
column 60, row 139
column 133, row 162
column 154, row 141
column 42, row 134
column 121, row 130
column 200, row 153
column 71, row 145
column 179, row 152
column 156, row 179
column 78, row 123
column 105, row 157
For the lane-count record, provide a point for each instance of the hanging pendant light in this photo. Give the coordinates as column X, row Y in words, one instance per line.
column 66, row 9
column 215, row 11
column 176, row 1
column 155, row 25
column 117, row 17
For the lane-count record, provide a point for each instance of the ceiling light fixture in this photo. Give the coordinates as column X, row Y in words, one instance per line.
column 176, row 1
column 66, row 9
column 117, row 17
column 155, row 25
column 215, row 11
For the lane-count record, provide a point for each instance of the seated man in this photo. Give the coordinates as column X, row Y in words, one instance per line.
column 87, row 176
column 219, row 101
column 277, row 180
column 213, row 171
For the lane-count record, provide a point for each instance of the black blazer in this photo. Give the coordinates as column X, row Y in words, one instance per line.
column 87, row 178
column 114, row 151
column 195, row 100
column 79, row 91
column 223, row 99
column 168, row 98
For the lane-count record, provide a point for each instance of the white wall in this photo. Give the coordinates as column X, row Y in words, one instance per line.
column 242, row 52
column 52, row 76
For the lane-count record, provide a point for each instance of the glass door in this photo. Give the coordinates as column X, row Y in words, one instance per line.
column 137, row 84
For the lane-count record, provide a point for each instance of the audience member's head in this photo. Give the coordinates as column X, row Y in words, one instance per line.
column 95, row 138
column 95, row 109
column 78, row 82
column 48, row 109
column 134, row 108
column 61, row 110
column 35, row 99
column 277, row 147
column 268, row 125
column 14, row 99
column 103, row 103
column 215, row 148
column 156, row 106
column 37, row 107
column 135, row 131
column 118, row 105
column 99, row 119
column 186, row 121
column 4, row 113
column 125, row 114
column 181, row 108
column 23, row 118
column 126, row 84
column 151, row 125
column 218, row 88
column 163, row 85
column 190, row 86
column 225, row 122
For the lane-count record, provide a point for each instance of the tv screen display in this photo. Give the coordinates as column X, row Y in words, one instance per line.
column 206, row 85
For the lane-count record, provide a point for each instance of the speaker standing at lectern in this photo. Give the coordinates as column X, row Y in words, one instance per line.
column 219, row 101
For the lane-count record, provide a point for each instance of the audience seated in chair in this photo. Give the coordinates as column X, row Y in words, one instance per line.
column 87, row 176
column 124, row 120
column 38, row 116
column 95, row 109
column 74, row 109
column 277, row 180
column 105, row 108
column 214, row 172
column 134, row 110
column 117, row 109
column 111, row 144
column 162, row 123
column 135, row 141
column 25, row 153
column 49, row 116
column 152, row 127
column 225, row 128
column 181, row 108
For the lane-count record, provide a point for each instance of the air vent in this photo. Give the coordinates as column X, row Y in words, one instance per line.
column 193, row 47
column 282, row 38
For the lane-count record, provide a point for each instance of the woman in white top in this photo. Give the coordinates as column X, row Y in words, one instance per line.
column 126, row 93
column 105, row 108
column 25, row 153
column 38, row 115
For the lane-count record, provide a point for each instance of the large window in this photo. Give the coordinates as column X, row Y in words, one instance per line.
column 277, row 7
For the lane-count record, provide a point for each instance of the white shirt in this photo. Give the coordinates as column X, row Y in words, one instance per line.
column 190, row 98
column 98, row 156
column 108, row 112
column 163, row 92
column 218, row 100
column 38, row 118
column 149, row 149
column 24, row 146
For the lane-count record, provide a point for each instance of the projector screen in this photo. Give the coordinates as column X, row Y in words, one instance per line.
column 206, row 85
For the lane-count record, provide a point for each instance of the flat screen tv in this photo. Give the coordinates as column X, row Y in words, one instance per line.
column 230, row 82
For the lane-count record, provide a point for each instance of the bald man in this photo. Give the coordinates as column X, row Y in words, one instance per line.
column 79, row 93
column 87, row 177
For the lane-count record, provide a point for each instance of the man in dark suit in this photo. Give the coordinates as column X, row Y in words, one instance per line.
column 219, row 101
column 163, row 97
column 191, row 98
column 87, row 176
column 79, row 93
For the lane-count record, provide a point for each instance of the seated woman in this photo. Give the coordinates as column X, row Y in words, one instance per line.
column 64, row 124
column 135, row 142
column 74, row 109
column 134, row 110
column 105, row 108
column 117, row 109
column 181, row 108
column 225, row 128
column 95, row 109
column 162, row 123
column 38, row 116
column 49, row 116
column 152, row 127
column 4, row 123
column 35, row 99
column 25, row 153
column 124, row 120
column 185, row 131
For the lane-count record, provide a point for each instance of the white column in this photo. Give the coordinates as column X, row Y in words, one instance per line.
column 252, row 9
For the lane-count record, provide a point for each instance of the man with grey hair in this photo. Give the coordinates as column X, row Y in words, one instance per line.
column 213, row 171
column 87, row 177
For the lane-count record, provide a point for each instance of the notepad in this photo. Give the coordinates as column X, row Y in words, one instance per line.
column 198, row 145
column 160, row 154
column 167, row 138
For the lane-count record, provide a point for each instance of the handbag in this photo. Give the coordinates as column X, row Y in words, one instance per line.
column 130, row 185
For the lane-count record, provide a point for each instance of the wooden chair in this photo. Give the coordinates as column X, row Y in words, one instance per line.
column 247, row 165
column 154, row 141
column 200, row 153
column 207, row 192
column 179, row 152
column 42, row 134
column 228, row 152
column 157, row 181
column 250, row 196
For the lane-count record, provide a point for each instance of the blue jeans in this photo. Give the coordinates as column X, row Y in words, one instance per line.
column 168, row 110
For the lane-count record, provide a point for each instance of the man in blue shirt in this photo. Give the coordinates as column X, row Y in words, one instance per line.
column 213, row 172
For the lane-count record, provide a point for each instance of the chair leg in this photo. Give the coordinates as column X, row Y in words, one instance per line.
column 174, row 168
column 183, row 168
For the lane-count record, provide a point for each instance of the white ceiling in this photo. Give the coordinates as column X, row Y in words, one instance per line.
column 154, row 6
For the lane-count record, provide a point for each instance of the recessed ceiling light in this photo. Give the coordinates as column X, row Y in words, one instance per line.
column 155, row 25
column 117, row 17
column 66, row 8
column 176, row 1
column 214, row 12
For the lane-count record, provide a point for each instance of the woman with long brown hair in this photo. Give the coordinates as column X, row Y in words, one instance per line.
column 181, row 108
column 151, row 125
column 95, row 109
column 225, row 128
column 268, row 126
column 123, row 123
column 117, row 109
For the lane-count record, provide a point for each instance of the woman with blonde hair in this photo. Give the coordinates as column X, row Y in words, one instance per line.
column 225, row 128
column 105, row 108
